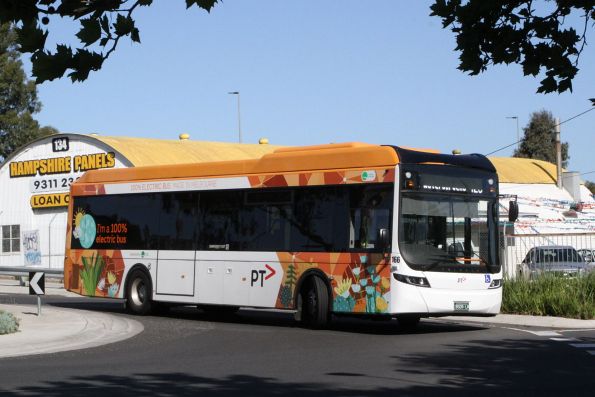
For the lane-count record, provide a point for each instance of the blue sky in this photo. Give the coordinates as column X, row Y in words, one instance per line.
column 310, row 72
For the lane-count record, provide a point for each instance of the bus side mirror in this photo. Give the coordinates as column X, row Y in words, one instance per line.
column 383, row 240
column 513, row 211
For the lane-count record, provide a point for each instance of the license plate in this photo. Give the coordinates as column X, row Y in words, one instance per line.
column 461, row 306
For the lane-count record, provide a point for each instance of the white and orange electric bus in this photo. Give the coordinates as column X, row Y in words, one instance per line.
column 332, row 229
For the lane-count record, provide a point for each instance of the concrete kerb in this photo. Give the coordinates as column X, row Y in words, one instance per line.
column 58, row 330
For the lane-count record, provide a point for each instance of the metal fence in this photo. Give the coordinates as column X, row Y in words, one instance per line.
column 523, row 254
column 50, row 246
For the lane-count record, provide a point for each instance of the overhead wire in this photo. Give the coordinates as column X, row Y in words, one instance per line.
column 560, row 123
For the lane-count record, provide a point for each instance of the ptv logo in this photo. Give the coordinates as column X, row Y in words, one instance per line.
column 259, row 275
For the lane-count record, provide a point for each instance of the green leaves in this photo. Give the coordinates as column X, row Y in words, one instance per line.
column 31, row 37
column 102, row 23
column 84, row 62
column 18, row 98
column 204, row 4
column 47, row 66
column 123, row 25
column 539, row 139
column 491, row 33
column 90, row 31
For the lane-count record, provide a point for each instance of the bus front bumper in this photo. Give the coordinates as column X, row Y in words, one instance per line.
column 440, row 302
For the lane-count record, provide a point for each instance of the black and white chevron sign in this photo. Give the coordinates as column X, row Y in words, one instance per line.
column 36, row 283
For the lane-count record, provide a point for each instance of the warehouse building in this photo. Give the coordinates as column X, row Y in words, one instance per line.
column 34, row 184
column 543, row 207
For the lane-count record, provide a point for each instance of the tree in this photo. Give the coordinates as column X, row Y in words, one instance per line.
column 487, row 32
column 514, row 31
column 539, row 140
column 102, row 23
column 18, row 99
column 591, row 186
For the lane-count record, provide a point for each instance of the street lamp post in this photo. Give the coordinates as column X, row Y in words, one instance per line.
column 518, row 138
column 239, row 119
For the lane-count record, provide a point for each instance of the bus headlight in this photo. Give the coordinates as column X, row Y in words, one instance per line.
column 496, row 283
column 412, row 280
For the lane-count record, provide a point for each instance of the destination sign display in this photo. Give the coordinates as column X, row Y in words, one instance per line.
column 451, row 184
column 447, row 179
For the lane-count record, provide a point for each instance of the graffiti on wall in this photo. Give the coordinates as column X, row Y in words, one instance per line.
column 31, row 248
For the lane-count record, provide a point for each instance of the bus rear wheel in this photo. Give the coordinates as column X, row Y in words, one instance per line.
column 138, row 293
column 314, row 303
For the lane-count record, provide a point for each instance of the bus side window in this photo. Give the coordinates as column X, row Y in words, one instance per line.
column 219, row 223
column 142, row 231
column 319, row 220
column 369, row 212
column 178, row 221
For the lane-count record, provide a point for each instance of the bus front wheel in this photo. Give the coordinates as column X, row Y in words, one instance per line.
column 315, row 303
column 138, row 293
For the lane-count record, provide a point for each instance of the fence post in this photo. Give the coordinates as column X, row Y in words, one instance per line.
column 505, row 252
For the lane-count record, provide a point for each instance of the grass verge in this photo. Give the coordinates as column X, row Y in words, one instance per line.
column 551, row 296
column 8, row 323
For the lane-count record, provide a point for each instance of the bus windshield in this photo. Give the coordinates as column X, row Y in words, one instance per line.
column 445, row 232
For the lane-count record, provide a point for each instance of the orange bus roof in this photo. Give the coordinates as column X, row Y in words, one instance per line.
column 289, row 159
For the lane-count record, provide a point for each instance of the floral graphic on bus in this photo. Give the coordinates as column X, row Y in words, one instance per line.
column 84, row 228
column 344, row 302
column 360, row 282
column 95, row 272
column 286, row 292
column 92, row 268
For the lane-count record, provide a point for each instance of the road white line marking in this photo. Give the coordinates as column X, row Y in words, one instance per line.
column 565, row 339
column 583, row 345
column 538, row 333
column 545, row 333
column 577, row 330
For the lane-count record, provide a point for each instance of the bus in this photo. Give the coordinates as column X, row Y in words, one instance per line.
column 351, row 228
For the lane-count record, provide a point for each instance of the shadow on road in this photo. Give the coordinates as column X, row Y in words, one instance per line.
column 478, row 367
column 272, row 319
column 475, row 364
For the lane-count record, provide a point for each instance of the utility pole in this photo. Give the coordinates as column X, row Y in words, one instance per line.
column 558, row 155
column 518, row 138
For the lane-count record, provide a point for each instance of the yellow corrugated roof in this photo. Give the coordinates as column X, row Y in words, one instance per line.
column 520, row 170
column 294, row 159
column 146, row 151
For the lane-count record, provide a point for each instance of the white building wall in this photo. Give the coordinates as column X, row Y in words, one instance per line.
column 16, row 192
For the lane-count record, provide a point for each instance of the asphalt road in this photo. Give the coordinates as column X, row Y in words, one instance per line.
column 189, row 353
